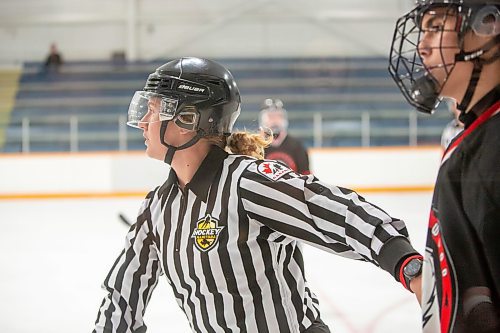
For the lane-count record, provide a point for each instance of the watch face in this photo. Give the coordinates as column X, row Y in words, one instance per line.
column 413, row 268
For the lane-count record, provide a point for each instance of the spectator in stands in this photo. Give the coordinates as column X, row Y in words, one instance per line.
column 54, row 59
column 454, row 127
column 285, row 148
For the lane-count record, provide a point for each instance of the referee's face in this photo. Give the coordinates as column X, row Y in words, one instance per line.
column 174, row 135
column 150, row 125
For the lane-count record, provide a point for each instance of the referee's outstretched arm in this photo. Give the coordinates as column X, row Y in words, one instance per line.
column 331, row 218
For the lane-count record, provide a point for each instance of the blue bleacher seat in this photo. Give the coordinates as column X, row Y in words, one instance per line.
column 331, row 86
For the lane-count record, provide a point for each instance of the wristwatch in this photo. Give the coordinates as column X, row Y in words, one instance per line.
column 411, row 270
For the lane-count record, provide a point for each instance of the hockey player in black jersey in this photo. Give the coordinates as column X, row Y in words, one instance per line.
column 452, row 49
column 284, row 147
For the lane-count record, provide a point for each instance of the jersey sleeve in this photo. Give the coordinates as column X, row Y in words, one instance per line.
column 132, row 278
column 335, row 219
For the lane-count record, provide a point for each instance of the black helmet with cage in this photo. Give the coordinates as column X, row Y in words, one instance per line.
column 415, row 80
column 197, row 94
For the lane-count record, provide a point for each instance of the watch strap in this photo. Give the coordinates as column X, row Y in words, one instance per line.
column 402, row 277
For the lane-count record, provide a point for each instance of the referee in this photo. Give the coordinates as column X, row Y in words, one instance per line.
column 225, row 228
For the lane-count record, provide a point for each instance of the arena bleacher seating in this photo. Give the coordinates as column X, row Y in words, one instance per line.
column 83, row 106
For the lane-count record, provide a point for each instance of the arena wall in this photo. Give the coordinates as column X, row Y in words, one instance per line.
column 133, row 174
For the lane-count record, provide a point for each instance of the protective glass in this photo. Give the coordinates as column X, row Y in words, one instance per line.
column 148, row 107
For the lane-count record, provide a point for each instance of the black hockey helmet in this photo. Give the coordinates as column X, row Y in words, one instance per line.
column 196, row 86
column 413, row 78
column 197, row 94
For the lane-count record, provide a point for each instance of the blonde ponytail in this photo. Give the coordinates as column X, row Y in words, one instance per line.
column 243, row 143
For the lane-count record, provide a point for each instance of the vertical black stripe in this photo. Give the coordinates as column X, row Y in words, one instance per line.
column 167, row 217
column 143, row 262
column 109, row 311
column 246, row 258
column 225, row 259
column 291, row 282
column 195, row 212
column 178, row 264
column 309, row 313
column 152, row 282
column 205, row 263
column 122, row 327
column 129, row 257
column 281, row 316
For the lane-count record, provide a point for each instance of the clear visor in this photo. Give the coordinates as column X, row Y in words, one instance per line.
column 147, row 107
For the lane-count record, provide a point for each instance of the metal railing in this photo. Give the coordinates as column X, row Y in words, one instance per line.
column 318, row 129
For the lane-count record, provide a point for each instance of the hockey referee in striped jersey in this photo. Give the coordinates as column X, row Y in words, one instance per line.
column 225, row 228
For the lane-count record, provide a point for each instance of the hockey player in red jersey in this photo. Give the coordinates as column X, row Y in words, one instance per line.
column 452, row 49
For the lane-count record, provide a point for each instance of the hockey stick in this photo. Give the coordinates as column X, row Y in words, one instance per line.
column 125, row 219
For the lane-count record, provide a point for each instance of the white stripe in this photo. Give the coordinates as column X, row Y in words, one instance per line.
column 133, row 267
column 271, row 193
column 288, row 220
column 159, row 227
column 376, row 245
column 390, row 229
column 285, row 219
column 398, row 225
column 296, row 273
column 361, row 225
column 143, row 302
column 325, row 202
column 125, row 292
column 215, row 264
column 234, row 255
column 367, row 207
column 263, row 282
column 360, row 248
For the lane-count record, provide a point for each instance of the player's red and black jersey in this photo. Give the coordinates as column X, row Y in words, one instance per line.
column 461, row 288
column 229, row 244
column 292, row 153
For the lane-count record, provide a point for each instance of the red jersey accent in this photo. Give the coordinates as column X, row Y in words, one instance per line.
column 447, row 294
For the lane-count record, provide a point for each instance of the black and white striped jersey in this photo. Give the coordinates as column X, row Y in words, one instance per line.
column 229, row 245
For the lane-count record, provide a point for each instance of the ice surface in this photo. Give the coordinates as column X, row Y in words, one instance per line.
column 54, row 255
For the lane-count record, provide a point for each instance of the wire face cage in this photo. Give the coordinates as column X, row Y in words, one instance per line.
column 421, row 83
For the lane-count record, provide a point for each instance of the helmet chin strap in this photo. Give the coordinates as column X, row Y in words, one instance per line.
column 172, row 149
column 476, row 73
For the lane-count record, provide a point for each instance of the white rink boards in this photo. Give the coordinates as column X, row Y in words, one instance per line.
column 54, row 255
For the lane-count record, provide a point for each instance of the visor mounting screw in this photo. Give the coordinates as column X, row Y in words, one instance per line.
column 210, row 120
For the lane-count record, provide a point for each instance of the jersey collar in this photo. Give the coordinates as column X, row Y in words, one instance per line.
column 203, row 178
column 484, row 103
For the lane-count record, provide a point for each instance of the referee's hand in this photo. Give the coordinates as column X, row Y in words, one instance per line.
column 416, row 287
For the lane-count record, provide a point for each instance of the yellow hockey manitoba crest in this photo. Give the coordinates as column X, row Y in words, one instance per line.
column 206, row 233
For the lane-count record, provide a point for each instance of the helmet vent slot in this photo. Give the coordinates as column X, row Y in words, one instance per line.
column 214, row 82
